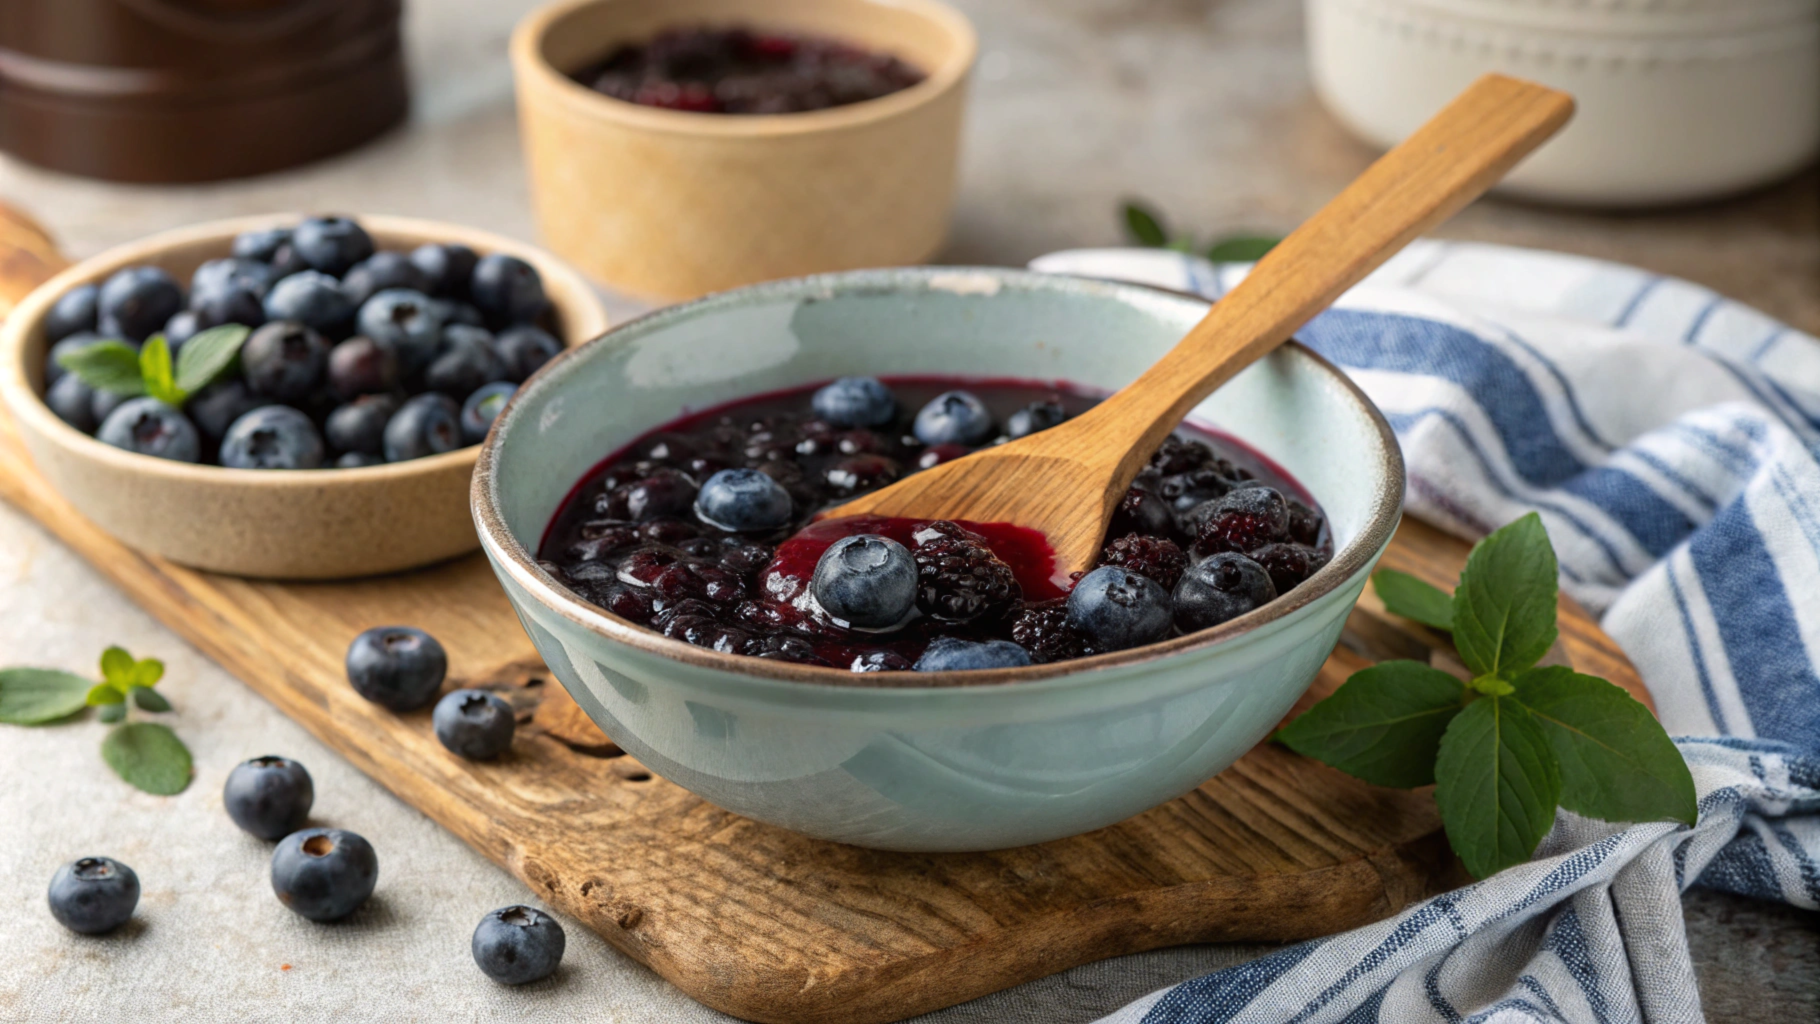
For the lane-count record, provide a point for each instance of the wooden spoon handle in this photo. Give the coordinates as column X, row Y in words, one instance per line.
column 28, row 257
column 1446, row 164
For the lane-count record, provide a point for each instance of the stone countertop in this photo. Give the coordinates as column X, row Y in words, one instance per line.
column 1200, row 106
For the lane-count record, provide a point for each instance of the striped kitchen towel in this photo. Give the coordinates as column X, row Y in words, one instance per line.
column 1670, row 440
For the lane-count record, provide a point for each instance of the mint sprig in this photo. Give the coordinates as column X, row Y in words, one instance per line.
column 1506, row 747
column 147, row 755
column 1146, row 227
column 113, row 365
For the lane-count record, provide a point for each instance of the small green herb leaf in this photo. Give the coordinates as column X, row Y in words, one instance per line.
column 1145, row 225
column 1496, row 783
column 1504, row 607
column 103, row 694
column 1241, row 248
column 148, row 755
column 155, row 368
column 149, row 699
column 1411, row 598
column 208, row 355
column 34, row 696
column 1383, row 725
column 147, row 672
column 1617, row 762
column 118, row 668
column 111, row 713
column 106, row 366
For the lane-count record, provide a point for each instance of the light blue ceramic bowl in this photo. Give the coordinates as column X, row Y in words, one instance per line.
column 911, row 761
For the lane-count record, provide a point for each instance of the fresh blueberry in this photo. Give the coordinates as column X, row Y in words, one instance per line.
column 506, row 290
column 1117, row 608
column 73, row 401
column 362, row 366
column 272, row 437
column 228, row 306
column 357, row 460
column 359, row 426
column 1223, row 587
column 950, row 654
column 312, row 299
column 525, row 348
column 397, row 667
column 855, row 402
column 284, row 360
column 331, row 244
column 742, row 500
column 285, row 262
column 482, row 408
column 181, row 327
column 866, row 580
column 380, row 271
column 446, row 268
column 73, row 311
column 53, row 360
column 460, row 313
column 260, row 245
column 513, row 945
column 410, row 322
column 105, row 403
column 268, row 796
column 429, row 424
column 215, row 408
column 136, row 301
column 149, row 427
column 953, row 417
column 1034, row 417
column 467, row 361
column 473, row 723
column 230, row 274
column 324, row 874
column 93, row 895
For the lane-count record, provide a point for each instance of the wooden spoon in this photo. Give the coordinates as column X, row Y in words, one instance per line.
column 1066, row 481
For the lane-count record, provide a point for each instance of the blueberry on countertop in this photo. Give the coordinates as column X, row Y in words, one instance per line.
column 1034, row 417
column 1222, row 587
column 312, row 299
column 262, row 244
column 215, row 408
column 408, row 321
column 866, row 580
column 380, row 271
column 474, row 723
column 284, row 361
column 953, row 417
column 73, row 311
column 397, row 667
column 855, row 402
column 93, row 895
column 446, row 267
column 524, row 348
column 949, row 654
column 1117, row 608
column 514, row 945
column 324, row 873
column 428, row 424
column 740, row 500
column 506, row 289
column 331, row 244
column 269, row 796
column 482, row 408
column 359, row 426
column 73, row 401
column 362, row 366
column 272, row 437
column 467, row 361
column 136, row 302
column 149, row 427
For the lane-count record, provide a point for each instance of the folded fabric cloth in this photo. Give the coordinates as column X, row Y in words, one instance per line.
column 1670, row 440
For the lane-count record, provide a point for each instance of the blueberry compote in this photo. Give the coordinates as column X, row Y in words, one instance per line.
column 674, row 532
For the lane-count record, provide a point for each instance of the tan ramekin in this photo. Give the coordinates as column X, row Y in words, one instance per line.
column 671, row 205
column 314, row 524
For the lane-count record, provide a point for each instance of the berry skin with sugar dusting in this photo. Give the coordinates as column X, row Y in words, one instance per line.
column 397, row 667
column 959, row 578
column 516, row 945
column 93, row 895
column 269, row 797
column 867, row 581
column 1156, row 557
column 1221, row 588
column 474, row 724
column 1242, row 520
column 324, row 874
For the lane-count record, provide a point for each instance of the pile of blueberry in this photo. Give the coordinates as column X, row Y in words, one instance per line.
column 356, row 356
column 694, row 532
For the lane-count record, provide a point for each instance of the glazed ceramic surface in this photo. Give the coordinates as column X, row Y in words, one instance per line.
column 946, row 761
column 314, row 524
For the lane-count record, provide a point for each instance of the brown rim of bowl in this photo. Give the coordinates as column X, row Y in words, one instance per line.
column 1385, row 512
column 527, row 55
column 25, row 401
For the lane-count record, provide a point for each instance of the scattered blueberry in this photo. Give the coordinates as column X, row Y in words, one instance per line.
column 514, row 945
column 73, row 311
column 284, row 361
column 410, row 322
column 1223, row 587
column 215, row 408
column 380, row 271
column 359, row 426
column 73, row 401
column 524, row 349
column 331, row 244
column 269, row 796
column 950, row 654
column 184, row 325
column 272, row 437
column 953, row 417
column 397, row 667
column 324, row 874
column 429, row 424
column 446, row 268
column 482, row 408
column 356, row 460
column 262, row 244
column 1117, row 608
column 136, row 301
column 93, row 895
column 467, row 361
column 506, row 289
column 743, row 500
column 1034, row 417
column 362, row 366
column 473, row 723
column 312, row 299
column 866, row 580
column 855, row 402
column 149, row 427
column 53, row 360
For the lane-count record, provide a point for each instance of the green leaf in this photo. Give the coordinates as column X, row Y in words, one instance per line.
column 112, row 712
column 149, row 699
column 1412, row 598
column 155, row 368
column 1241, row 248
column 148, row 755
column 1617, row 762
column 118, row 668
column 34, row 696
column 1504, row 608
column 103, row 694
column 1383, row 725
column 208, row 355
column 1496, row 783
column 106, row 366
column 1145, row 226
column 147, row 672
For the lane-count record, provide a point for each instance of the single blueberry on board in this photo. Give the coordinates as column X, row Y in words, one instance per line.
column 74, row 310
column 951, row 654
column 359, row 426
column 324, row 874
column 269, row 796
column 866, row 580
column 482, row 408
column 953, row 417
column 474, row 723
column 410, row 322
column 73, row 401
column 312, row 299
column 136, row 301
column 428, row 424
column 524, row 348
column 1117, row 608
column 331, row 244
column 1219, row 588
column 272, row 437
column 742, row 500
column 507, row 290
column 93, row 895
column 397, row 667
column 855, row 402
column 515, row 945
column 150, row 427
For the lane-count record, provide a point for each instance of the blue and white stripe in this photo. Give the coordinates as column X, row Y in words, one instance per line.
column 1670, row 440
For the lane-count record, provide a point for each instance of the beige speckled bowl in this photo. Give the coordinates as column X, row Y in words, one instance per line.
column 314, row 524
column 672, row 205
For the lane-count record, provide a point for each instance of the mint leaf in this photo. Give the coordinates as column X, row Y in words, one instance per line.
column 208, row 355
column 106, row 366
column 1383, row 725
column 103, row 694
column 118, row 668
column 1411, row 598
column 155, row 368
column 1617, row 762
column 149, row 699
column 1241, row 248
column 1145, row 226
column 112, row 712
column 34, row 696
column 148, row 755
column 1504, row 608
column 1496, row 783
column 147, row 672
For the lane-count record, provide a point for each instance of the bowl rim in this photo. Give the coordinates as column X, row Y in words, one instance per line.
column 526, row 50
column 26, row 404
column 511, row 557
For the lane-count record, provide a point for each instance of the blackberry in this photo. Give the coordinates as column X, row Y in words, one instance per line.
column 1043, row 630
column 1155, row 557
column 1244, row 520
column 1288, row 564
column 959, row 579
column 1184, row 491
column 783, row 648
column 1140, row 511
column 1305, row 524
column 1179, row 455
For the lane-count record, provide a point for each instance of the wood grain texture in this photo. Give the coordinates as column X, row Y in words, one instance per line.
column 28, row 257
column 1446, row 164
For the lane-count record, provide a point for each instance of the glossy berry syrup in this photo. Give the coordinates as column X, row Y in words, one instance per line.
column 1217, row 527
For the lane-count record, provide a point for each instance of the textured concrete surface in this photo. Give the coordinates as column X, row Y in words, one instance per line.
column 1200, row 106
